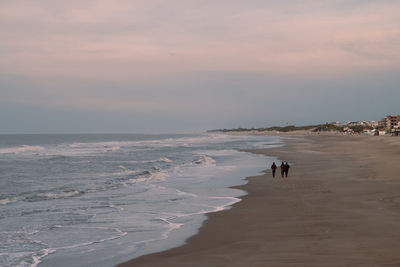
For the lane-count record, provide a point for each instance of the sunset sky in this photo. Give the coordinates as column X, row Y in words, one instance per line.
column 71, row 66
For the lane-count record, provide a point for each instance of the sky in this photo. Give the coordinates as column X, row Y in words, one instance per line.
column 157, row 66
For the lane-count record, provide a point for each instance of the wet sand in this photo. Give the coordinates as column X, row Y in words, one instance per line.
column 340, row 206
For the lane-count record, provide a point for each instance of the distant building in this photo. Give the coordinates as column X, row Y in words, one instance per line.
column 382, row 123
column 348, row 130
column 391, row 124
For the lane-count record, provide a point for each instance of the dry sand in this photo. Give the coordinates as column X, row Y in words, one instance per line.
column 340, row 206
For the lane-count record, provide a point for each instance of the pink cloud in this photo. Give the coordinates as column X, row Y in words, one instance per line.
column 139, row 40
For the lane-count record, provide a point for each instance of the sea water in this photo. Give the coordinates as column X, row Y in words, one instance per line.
column 99, row 200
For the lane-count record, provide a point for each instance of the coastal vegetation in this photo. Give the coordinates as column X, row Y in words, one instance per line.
column 327, row 127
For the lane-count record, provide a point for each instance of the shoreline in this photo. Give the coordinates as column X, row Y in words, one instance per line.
column 337, row 207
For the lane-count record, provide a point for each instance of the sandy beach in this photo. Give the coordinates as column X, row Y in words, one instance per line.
column 340, row 206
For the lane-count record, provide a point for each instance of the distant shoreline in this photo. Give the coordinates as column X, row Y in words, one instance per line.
column 307, row 129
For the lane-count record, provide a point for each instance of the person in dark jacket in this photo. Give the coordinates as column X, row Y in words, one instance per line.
column 282, row 169
column 273, row 168
column 287, row 166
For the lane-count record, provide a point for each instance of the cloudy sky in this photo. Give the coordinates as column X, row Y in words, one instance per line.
column 188, row 65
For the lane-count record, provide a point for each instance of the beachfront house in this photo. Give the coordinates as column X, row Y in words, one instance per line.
column 391, row 124
column 382, row 123
column 396, row 129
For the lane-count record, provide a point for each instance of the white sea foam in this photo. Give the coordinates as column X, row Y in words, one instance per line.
column 160, row 175
column 205, row 160
column 64, row 194
column 167, row 142
column 112, row 149
column 90, row 148
column 75, row 145
column 20, row 149
column 116, row 207
column 124, row 171
column 231, row 201
column 164, row 159
column 205, row 209
column 224, row 152
column 38, row 258
column 181, row 193
column 136, row 180
column 148, row 177
column 119, row 234
column 34, row 258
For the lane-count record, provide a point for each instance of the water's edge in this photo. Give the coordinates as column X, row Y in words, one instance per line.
column 103, row 200
column 195, row 228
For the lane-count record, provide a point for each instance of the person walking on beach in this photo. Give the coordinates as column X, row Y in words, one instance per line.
column 287, row 166
column 273, row 168
column 282, row 169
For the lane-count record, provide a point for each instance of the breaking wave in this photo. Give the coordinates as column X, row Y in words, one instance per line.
column 20, row 149
column 205, row 160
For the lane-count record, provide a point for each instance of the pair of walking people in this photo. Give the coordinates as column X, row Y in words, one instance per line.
column 284, row 169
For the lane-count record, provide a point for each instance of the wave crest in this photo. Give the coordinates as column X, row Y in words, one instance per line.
column 20, row 149
column 205, row 160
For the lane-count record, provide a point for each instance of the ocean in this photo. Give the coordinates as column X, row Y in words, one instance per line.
column 102, row 199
